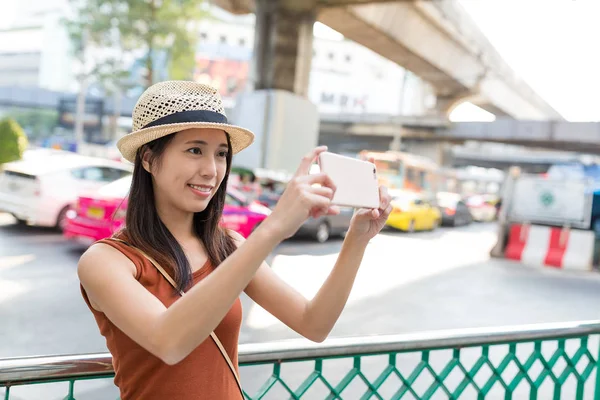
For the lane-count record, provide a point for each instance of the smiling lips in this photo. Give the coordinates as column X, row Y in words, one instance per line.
column 201, row 190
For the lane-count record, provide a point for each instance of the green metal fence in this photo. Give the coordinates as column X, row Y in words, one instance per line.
column 549, row 361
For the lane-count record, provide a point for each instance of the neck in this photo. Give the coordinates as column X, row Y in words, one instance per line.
column 179, row 223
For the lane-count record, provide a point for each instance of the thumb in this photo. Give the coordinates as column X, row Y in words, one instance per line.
column 367, row 214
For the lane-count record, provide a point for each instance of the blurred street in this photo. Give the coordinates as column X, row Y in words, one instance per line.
column 431, row 280
column 462, row 120
column 423, row 281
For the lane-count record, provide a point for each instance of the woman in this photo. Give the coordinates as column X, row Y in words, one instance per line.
column 160, row 341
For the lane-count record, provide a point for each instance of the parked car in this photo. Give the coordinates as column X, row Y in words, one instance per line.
column 482, row 208
column 40, row 188
column 322, row 228
column 242, row 214
column 327, row 226
column 453, row 209
column 269, row 199
column 412, row 212
column 99, row 214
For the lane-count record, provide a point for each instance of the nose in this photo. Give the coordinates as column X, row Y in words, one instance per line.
column 208, row 167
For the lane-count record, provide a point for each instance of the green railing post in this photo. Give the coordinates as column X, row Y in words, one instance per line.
column 71, row 395
column 597, row 389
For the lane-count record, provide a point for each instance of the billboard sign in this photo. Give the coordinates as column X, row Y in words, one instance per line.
column 557, row 202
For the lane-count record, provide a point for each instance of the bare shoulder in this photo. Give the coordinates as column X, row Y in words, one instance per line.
column 101, row 256
column 108, row 278
column 103, row 266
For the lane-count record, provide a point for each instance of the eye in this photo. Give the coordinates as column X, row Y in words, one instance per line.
column 223, row 154
column 195, row 150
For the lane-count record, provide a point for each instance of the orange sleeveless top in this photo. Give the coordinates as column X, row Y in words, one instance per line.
column 203, row 374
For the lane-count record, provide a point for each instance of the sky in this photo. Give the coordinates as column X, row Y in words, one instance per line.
column 9, row 8
column 551, row 44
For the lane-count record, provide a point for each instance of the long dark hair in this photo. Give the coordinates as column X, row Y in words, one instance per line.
column 145, row 230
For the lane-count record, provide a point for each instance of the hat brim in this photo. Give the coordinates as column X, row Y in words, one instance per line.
column 129, row 144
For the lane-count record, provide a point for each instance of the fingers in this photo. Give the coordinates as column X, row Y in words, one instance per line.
column 383, row 212
column 321, row 179
column 374, row 213
column 322, row 191
column 307, row 160
column 384, row 198
column 325, row 193
column 385, row 206
column 317, row 201
column 333, row 210
column 319, row 212
column 320, row 199
column 388, row 210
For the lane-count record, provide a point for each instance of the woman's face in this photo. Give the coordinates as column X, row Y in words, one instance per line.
column 190, row 170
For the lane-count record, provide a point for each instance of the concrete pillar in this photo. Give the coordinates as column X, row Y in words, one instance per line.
column 278, row 111
column 283, row 45
column 396, row 143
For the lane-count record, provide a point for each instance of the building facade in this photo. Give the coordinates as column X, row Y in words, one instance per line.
column 345, row 77
column 35, row 49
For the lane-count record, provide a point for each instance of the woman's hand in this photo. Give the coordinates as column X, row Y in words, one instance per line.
column 302, row 199
column 366, row 223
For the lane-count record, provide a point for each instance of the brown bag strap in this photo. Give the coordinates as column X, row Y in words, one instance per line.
column 212, row 334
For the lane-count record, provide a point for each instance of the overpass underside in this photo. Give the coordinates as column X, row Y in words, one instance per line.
column 526, row 166
column 573, row 146
column 438, row 41
column 581, row 137
column 446, row 154
column 435, row 40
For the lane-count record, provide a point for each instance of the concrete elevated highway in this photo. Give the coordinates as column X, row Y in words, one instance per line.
column 554, row 134
column 436, row 40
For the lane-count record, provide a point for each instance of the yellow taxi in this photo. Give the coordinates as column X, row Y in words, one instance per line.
column 412, row 212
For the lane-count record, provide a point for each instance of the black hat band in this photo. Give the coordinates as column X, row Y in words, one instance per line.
column 189, row 116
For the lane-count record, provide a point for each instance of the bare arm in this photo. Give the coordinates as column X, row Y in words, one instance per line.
column 312, row 319
column 315, row 319
column 325, row 308
column 171, row 334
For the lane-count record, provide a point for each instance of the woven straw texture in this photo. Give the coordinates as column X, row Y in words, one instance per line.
column 166, row 98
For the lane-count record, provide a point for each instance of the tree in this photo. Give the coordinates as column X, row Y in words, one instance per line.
column 13, row 141
column 37, row 123
column 109, row 35
column 122, row 30
column 114, row 81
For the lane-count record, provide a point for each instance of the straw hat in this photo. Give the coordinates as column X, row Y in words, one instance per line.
column 173, row 106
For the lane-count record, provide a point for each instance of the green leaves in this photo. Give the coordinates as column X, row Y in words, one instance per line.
column 137, row 28
column 13, row 141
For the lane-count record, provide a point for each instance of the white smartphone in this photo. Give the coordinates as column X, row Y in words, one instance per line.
column 355, row 180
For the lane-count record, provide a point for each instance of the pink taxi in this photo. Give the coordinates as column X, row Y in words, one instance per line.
column 100, row 214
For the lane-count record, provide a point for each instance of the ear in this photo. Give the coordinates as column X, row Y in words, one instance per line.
column 146, row 160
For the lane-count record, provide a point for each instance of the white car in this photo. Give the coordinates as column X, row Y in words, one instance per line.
column 40, row 188
column 481, row 209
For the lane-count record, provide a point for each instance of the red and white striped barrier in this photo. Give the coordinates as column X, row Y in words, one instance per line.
column 551, row 246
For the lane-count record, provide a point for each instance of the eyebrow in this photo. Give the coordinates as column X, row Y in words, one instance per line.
column 202, row 142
